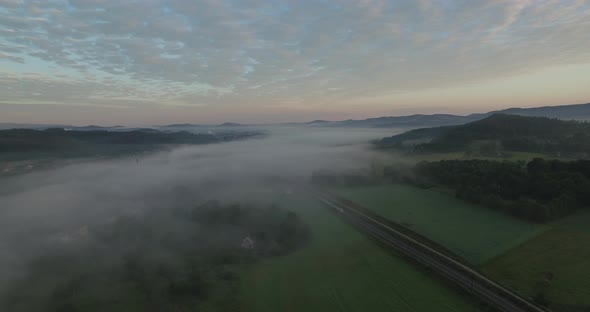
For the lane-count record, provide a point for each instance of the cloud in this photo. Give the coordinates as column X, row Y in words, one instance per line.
column 10, row 3
column 306, row 49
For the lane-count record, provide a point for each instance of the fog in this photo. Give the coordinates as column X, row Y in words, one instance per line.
column 45, row 209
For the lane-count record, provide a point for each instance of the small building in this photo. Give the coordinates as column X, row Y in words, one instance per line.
column 247, row 243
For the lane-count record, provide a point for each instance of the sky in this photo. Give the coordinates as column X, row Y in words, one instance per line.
column 146, row 62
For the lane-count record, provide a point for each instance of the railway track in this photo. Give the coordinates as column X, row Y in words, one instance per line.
column 447, row 266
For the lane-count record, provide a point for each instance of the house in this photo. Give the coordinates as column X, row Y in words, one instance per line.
column 247, row 243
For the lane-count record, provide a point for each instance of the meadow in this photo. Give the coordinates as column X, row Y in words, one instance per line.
column 475, row 233
column 342, row 270
column 510, row 156
column 553, row 266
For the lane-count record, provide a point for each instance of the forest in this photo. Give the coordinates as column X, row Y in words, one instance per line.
column 538, row 191
column 158, row 260
column 18, row 144
column 496, row 135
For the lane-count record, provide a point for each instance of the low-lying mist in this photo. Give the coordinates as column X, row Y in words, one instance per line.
column 44, row 210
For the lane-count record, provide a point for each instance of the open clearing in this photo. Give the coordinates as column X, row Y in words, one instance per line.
column 473, row 232
column 342, row 270
column 555, row 264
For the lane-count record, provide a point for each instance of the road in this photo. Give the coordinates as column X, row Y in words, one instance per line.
column 440, row 262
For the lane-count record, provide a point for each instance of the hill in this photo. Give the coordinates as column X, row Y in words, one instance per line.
column 397, row 121
column 96, row 128
column 566, row 112
column 572, row 112
column 231, row 124
column 498, row 133
column 173, row 126
column 17, row 144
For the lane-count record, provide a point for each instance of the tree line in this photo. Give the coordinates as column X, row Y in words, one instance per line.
column 539, row 191
column 18, row 144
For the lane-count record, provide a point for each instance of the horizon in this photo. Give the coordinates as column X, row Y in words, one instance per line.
column 83, row 62
column 280, row 123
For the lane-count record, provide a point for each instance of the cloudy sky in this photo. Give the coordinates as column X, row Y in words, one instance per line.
column 209, row 61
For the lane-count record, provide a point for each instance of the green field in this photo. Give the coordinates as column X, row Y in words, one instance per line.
column 475, row 233
column 555, row 264
column 511, row 156
column 342, row 270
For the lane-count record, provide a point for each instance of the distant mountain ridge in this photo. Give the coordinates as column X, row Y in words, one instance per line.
column 7, row 126
column 398, row 121
column 574, row 111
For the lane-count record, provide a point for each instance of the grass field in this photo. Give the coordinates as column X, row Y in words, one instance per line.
column 473, row 232
column 342, row 270
column 555, row 264
column 511, row 156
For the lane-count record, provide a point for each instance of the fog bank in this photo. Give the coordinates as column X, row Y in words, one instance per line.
column 41, row 210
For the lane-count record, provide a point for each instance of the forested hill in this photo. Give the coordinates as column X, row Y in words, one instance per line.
column 499, row 132
column 17, row 144
column 565, row 112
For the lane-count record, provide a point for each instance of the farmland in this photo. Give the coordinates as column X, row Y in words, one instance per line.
column 546, row 262
column 514, row 156
column 474, row 233
column 341, row 270
column 553, row 266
